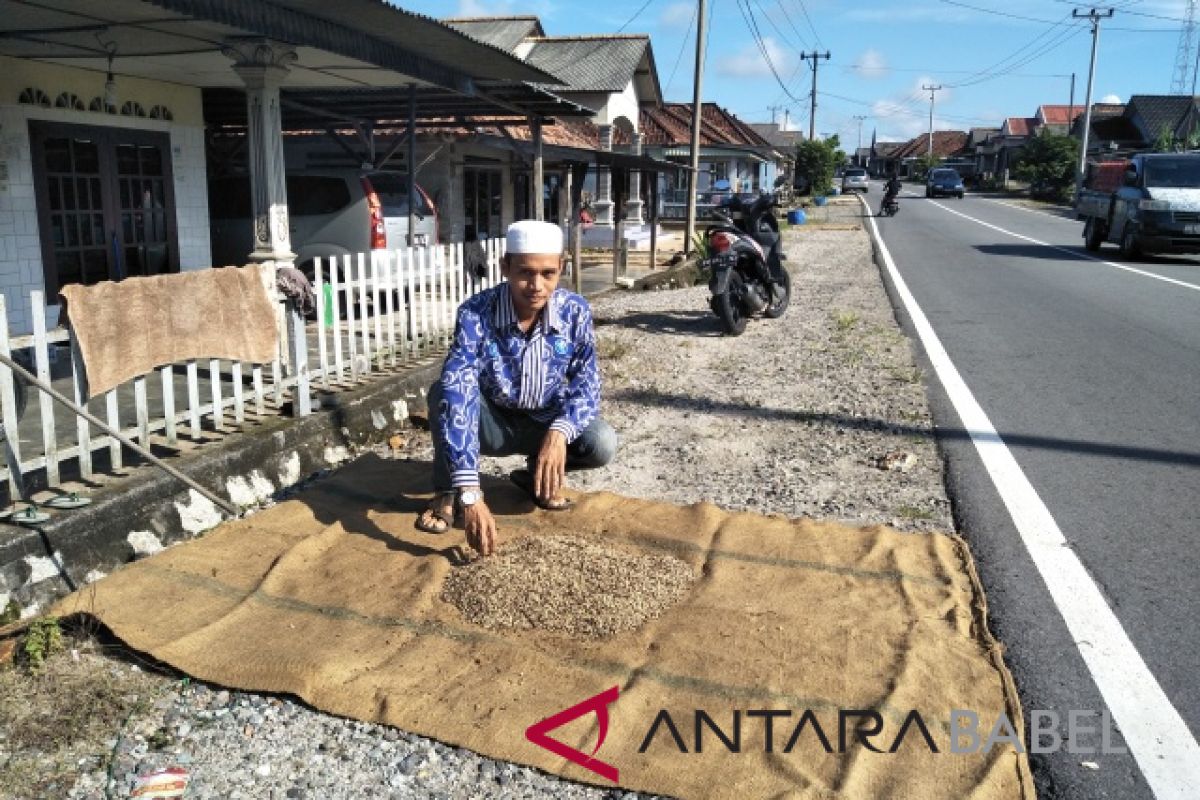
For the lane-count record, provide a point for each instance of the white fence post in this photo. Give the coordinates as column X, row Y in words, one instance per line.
column 8, row 405
column 335, row 283
column 410, row 299
column 391, row 298
column 322, row 320
column 214, row 385
column 193, row 390
column 363, row 315
column 41, row 354
column 83, row 433
column 168, row 392
column 351, row 342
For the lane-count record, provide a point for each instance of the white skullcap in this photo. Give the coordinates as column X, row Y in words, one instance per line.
column 531, row 236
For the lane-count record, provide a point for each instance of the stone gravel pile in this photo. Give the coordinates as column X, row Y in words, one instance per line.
column 567, row 584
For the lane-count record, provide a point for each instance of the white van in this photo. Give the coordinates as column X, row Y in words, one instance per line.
column 332, row 213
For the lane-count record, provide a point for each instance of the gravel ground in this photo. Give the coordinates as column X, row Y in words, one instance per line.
column 821, row 413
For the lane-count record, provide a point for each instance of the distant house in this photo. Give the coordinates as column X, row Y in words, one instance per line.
column 1015, row 132
column 1056, row 118
column 881, row 161
column 1112, row 132
column 784, row 142
column 982, row 150
column 949, row 146
column 733, row 156
column 1156, row 115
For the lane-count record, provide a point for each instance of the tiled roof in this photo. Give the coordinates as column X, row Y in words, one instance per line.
column 945, row 144
column 1114, row 129
column 503, row 32
column 773, row 134
column 590, row 63
column 887, row 149
column 672, row 125
column 1059, row 114
column 1158, row 111
column 1021, row 126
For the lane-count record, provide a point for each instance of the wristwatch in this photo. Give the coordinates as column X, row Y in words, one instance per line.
column 469, row 497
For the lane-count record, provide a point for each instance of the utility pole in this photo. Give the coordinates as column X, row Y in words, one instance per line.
column 933, row 90
column 860, row 119
column 697, row 107
column 815, row 57
column 1094, row 15
column 1071, row 108
column 774, row 110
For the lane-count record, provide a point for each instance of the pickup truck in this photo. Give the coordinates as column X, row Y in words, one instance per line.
column 1147, row 204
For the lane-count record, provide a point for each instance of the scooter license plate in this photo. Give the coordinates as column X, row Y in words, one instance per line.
column 722, row 260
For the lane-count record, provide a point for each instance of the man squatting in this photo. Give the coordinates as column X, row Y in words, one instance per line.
column 520, row 378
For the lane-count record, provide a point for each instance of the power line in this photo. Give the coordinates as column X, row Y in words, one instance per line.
column 1014, row 60
column 682, row 47
column 791, row 24
column 636, row 14
column 752, row 25
column 811, row 27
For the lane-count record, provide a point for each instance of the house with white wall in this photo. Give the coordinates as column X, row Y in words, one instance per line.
column 105, row 110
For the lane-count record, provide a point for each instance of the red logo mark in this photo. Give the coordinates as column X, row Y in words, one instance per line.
column 536, row 733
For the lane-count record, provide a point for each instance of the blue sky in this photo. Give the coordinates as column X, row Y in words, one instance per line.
column 995, row 59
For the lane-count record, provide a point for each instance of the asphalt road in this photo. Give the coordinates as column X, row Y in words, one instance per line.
column 1090, row 375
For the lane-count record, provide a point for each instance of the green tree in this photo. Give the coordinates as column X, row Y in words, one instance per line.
column 816, row 160
column 1048, row 163
column 923, row 164
column 1165, row 142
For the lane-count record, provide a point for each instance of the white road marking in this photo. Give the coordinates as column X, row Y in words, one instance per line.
column 1157, row 736
column 1068, row 251
column 1028, row 210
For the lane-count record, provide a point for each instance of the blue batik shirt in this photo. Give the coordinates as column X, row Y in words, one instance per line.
column 550, row 375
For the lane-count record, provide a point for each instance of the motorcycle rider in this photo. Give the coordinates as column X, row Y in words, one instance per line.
column 890, row 190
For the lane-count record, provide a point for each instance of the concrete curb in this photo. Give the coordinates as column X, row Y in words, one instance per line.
column 148, row 508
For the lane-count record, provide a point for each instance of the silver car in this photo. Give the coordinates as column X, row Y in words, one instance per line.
column 332, row 213
column 855, row 179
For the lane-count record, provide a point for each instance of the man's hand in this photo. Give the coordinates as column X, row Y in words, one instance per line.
column 551, row 469
column 481, row 528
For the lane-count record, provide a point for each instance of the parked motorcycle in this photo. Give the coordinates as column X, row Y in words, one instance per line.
column 746, row 262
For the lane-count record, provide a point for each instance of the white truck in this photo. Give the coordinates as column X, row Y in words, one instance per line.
column 1147, row 204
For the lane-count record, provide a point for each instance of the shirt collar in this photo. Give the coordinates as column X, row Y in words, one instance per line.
column 552, row 314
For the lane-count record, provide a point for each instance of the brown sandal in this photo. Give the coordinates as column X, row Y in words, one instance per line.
column 441, row 521
column 523, row 480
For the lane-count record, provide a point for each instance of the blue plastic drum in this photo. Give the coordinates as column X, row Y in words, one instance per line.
column 797, row 217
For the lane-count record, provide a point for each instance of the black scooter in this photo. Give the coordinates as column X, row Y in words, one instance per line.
column 746, row 262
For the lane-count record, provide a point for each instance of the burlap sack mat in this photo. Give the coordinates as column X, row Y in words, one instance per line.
column 127, row 328
column 334, row 597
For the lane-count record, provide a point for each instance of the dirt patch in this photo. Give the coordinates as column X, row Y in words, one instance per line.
column 568, row 585
column 60, row 720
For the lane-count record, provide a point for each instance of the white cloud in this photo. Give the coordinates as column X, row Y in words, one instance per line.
column 870, row 64
column 749, row 61
column 1111, row 98
column 677, row 15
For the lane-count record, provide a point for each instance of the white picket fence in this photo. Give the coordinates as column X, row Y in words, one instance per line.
column 386, row 309
column 376, row 312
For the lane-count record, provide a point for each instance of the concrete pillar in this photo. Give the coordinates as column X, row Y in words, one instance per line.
column 263, row 65
column 603, row 205
column 633, row 206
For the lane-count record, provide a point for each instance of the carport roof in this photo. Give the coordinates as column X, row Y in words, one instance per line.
column 349, row 48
